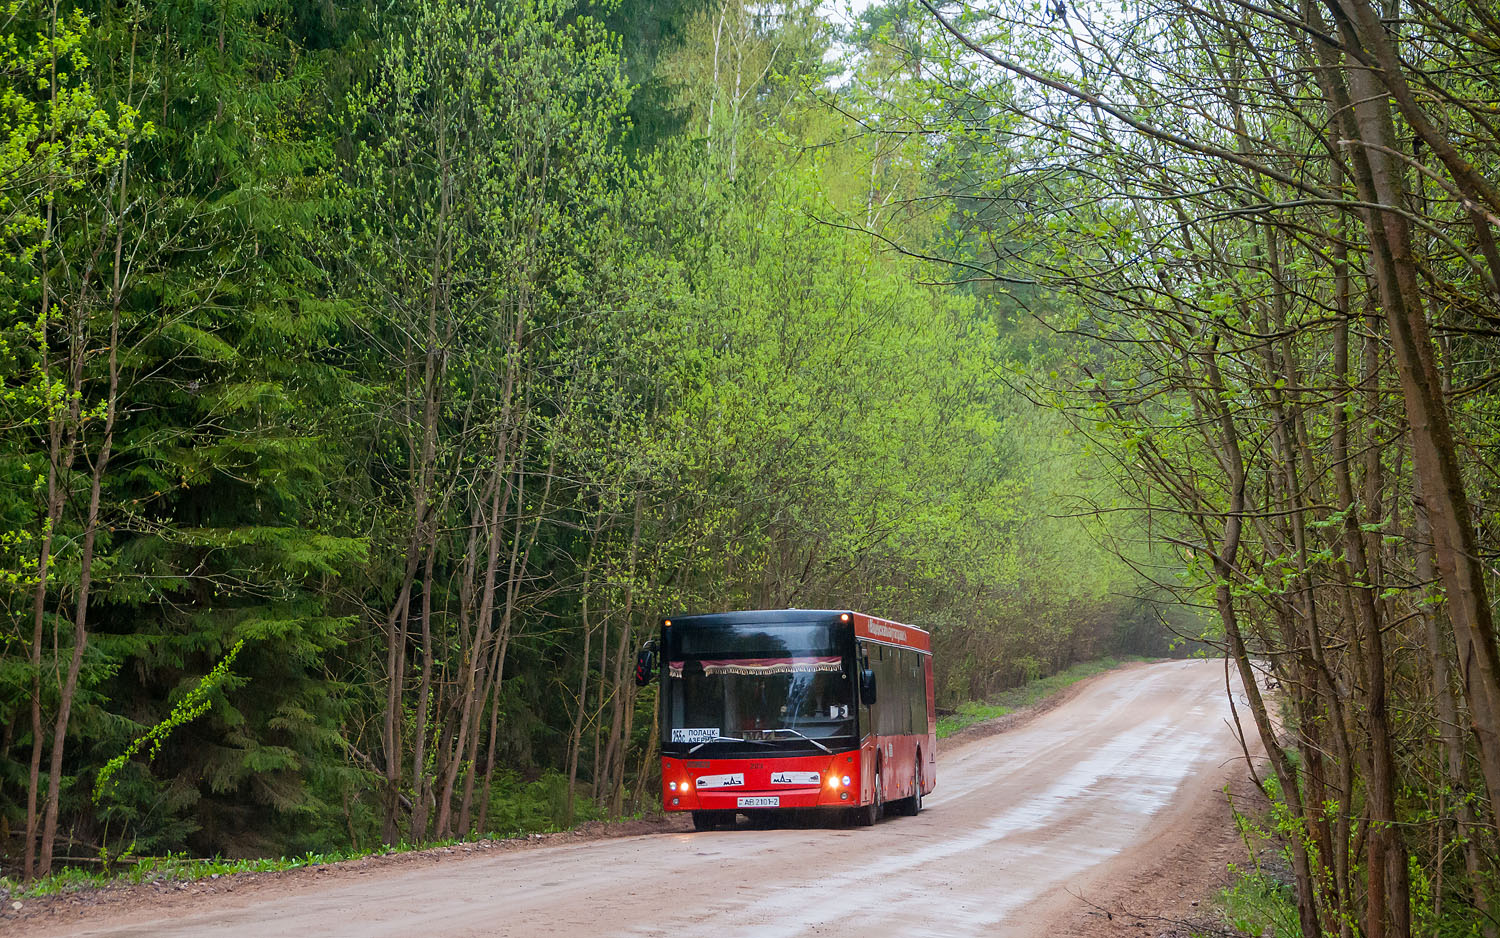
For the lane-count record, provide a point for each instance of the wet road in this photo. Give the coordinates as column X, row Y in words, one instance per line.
column 1020, row 824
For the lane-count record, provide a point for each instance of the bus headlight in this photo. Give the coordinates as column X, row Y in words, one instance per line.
column 846, row 781
column 672, row 785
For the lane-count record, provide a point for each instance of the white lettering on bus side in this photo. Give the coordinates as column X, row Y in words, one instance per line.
column 884, row 631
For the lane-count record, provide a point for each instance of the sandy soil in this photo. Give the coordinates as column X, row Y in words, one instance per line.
column 1099, row 814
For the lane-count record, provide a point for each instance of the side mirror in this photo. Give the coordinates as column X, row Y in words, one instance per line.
column 645, row 664
column 867, row 687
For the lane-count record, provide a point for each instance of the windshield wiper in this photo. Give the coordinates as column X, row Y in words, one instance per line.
column 727, row 739
column 788, row 729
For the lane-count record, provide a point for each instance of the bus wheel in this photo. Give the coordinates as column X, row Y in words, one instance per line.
column 911, row 807
column 706, row 820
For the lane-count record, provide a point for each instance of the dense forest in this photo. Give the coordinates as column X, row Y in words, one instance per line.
column 1273, row 225
column 377, row 375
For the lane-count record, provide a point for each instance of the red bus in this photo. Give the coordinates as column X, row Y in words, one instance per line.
column 774, row 711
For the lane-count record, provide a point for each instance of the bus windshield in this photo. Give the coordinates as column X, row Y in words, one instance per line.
column 758, row 682
column 754, row 699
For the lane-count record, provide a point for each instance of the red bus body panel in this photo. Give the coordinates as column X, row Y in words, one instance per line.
column 899, row 752
column 896, row 754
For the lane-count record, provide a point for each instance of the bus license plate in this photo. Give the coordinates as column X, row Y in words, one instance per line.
column 753, row 801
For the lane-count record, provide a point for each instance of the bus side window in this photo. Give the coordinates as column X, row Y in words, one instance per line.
column 917, row 691
column 908, row 691
column 866, row 714
column 898, row 668
column 883, row 704
column 892, row 710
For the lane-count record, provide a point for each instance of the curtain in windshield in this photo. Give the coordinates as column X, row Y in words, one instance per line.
column 756, row 666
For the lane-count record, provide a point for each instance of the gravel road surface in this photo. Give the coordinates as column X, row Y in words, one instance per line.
column 1025, row 828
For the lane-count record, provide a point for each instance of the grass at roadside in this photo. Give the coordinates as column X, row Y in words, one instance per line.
column 1260, row 903
column 519, row 808
column 1260, row 898
column 1008, row 701
column 181, row 868
column 174, row 868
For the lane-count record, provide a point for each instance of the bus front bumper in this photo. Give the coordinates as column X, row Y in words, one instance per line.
column 748, row 785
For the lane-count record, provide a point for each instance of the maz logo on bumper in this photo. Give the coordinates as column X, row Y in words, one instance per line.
column 794, row 778
column 721, row 781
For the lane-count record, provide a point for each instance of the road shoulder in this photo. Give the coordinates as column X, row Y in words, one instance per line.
column 118, row 902
column 1168, row 886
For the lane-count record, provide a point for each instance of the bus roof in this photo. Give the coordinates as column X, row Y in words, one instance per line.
column 866, row 627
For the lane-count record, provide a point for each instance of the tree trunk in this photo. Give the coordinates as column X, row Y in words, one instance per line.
column 648, row 756
column 91, row 522
column 1449, row 729
column 1224, row 572
column 1454, row 541
column 575, row 739
column 85, row 581
column 424, row 689
column 58, row 468
column 471, row 697
column 621, row 711
column 1385, row 854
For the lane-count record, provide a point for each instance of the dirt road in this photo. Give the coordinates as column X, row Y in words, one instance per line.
column 1024, row 830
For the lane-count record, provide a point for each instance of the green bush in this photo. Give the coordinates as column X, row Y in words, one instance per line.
column 1260, row 904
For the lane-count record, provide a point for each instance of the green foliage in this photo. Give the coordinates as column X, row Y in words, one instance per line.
column 193, row 705
column 1261, row 904
column 435, row 301
column 539, row 805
